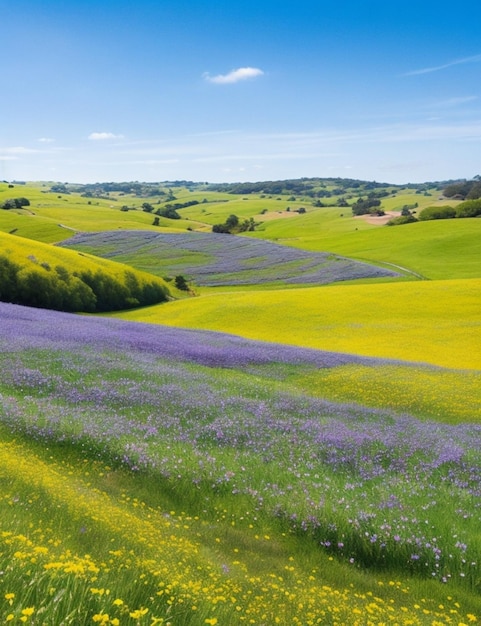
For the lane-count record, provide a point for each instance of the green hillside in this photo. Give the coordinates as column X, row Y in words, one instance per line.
column 436, row 249
column 292, row 436
column 442, row 250
column 37, row 274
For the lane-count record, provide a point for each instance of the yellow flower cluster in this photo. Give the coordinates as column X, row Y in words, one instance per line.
column 160, row 556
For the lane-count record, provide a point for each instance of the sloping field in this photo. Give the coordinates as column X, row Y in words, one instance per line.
column 39, row 274
column 437, row 249
column 195, row 482
column 53, row 217
column 211, row 259
column 435, row 322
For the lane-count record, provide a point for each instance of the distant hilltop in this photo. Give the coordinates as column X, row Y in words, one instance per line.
column 311, row 187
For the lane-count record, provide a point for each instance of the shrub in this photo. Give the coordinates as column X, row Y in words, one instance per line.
column 15, row 203
column 470, row 190
column 402, row 219
column 230, row 225
column 364, row 207
column 469, row 208
column 437, row 213
column 181, row 283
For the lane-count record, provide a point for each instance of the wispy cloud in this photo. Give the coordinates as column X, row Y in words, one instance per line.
column 104, row 136
column 427, row 70
column 19, row 150
column 14, row 153
column 46, row 140
column 234, row 76
column 456, row 101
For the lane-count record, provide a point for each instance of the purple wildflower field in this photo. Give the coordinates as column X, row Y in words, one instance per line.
column 212, row 259
column 215, row 414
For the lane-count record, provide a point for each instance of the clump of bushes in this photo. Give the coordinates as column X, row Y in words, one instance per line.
column 369, row 206
column 234, row 225
column 15, row 203
column 465, row 189
column 38, row 285
column 402, row 219
column 469, row 208
column 437, row 213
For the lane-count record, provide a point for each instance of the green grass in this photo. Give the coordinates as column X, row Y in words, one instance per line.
column 429, row 322
column 437, row 250
column 108, row 551
column 19, row 250
column 84, row 541
column 81, row 537
column 52, row 217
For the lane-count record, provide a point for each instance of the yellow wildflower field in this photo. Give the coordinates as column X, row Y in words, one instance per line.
column 149, row 566
column 435, row 322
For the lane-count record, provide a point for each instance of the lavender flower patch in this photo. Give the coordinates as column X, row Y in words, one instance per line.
column 214, row 259
column 23, row 328
column 372, row 486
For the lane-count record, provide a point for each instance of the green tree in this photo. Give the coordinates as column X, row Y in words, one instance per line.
column 231, row 222
column 230, row 225
column 181, row 283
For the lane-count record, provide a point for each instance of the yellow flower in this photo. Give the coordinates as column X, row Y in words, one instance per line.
column 212, row 621
column 28, row 611
column 10, row 616
column 137, row 614
column 101, row 618
column 118, row 602
column 471, row 617
column 94, row 590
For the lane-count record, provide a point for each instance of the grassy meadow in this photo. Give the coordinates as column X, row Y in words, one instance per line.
column 425, row 321
column 203, row 477
column 435, row 250
column 295, row 442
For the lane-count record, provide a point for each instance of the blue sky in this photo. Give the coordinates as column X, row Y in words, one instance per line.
column 224, row 91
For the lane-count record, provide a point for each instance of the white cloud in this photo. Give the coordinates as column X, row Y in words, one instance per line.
column 436, row 68
column 46, row 140
column 104, row 136
column 454, row 102
column 19, row 150
column 234, row 76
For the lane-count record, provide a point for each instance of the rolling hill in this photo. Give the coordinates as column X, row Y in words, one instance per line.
column 294, row 439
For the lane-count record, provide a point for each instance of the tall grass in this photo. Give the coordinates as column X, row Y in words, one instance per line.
column 198, row 482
